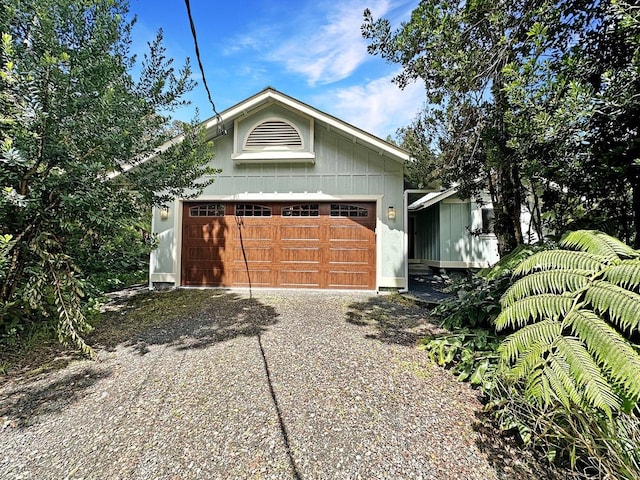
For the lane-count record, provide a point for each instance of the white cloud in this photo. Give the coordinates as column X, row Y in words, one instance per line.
column 379, row 107
column 333, row 49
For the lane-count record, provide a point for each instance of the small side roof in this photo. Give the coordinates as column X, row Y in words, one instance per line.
column 432, row 198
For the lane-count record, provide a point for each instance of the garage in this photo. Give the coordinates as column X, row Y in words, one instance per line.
column 299, row 199
column 320, row 245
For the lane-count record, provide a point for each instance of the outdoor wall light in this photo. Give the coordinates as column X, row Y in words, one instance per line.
column 164, row 213
column 391, row 213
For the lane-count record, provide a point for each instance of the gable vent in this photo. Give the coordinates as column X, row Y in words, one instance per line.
column 274, row 133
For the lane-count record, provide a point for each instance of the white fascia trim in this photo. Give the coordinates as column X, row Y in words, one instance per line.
column 432, row 198
column 284, row 197
column 393, row 152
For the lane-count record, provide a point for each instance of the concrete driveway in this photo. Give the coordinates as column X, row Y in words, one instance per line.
column 306, row 385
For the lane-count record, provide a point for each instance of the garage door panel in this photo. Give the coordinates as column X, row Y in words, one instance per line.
column 253, row 254
column 353, row 256
column 204, row 274
column 300, row 255
column 306, row 233
column 300, row 278
column 248, row 232
column 356, row 279
column 215, row 234
column 350, row 233
column 203, row 254
column 254, row 277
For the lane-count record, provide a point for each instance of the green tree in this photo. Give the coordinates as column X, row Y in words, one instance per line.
column 613, row 71
column 462, row 50
column 574, row 122
column 73, row 116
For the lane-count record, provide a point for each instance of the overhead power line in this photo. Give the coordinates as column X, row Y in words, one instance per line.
column 221, row 129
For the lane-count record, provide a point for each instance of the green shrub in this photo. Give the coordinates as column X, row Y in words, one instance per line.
column 470, row 347
column 585, row 441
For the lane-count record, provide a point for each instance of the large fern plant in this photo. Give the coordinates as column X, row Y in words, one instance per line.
column 574, row 311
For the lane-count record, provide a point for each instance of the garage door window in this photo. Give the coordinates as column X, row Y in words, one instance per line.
column 304, row 210
column 340, row 210
column 208, row 210
column 252, row 210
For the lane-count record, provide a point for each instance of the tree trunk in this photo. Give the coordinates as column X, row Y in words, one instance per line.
column 508, row 229
column 635, row 185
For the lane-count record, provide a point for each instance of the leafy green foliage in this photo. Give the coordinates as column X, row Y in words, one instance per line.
column 470, row 353
column 73, row 120
column 470, row 350
column 569, row 345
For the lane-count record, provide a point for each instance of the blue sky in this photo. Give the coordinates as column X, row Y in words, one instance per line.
column 310, row 50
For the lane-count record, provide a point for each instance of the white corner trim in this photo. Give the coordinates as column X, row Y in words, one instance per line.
column 177, row 241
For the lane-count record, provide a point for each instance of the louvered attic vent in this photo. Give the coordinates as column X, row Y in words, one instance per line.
column 274, row 134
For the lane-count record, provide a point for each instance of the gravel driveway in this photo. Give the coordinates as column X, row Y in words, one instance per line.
column 306, row 385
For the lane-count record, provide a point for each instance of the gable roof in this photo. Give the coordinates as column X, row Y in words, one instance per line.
column 215, row 126
column 271, row 95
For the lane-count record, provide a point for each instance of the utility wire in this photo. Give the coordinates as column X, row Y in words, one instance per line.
column 221, row 129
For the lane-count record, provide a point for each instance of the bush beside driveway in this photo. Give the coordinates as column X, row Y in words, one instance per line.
column 213, row 384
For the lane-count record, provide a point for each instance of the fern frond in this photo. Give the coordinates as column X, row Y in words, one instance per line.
column 548, row 281
column 560, row 259
column 617, row 356
column 525, row 342
column 562, row 383
column 622, row 306
column 545, row 306
column 598, row 243
column 552, row 381
column 537, row 387
column 595, row 388
column 530, row 360
column 626, row 274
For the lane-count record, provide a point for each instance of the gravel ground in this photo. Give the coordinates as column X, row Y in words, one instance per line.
column 292, row 385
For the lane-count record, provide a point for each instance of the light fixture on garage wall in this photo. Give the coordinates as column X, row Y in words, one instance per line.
column 164, row 213
column 391, row 213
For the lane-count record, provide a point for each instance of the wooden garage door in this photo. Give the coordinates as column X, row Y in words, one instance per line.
column 279, row 245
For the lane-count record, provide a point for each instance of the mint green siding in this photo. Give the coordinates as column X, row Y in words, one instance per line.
column 455, row 218
column 427, row 235
column 444, row 236
column 343, row 168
